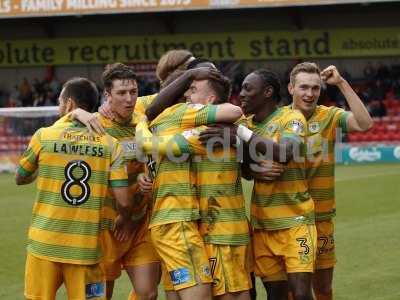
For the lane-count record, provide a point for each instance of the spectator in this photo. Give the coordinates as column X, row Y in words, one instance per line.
column 369, row 72
column 25, row 92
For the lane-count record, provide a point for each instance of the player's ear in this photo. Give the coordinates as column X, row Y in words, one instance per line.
column 70, row 105
column 268, row 92
column 107, row 94
column 290, row 88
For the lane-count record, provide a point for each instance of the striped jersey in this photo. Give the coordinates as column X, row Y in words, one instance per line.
column 174, row 190
column 142, row 103
column 219, row 188
column 284, row 202
column 75, row 169
column 321, row 137
column 125, row 134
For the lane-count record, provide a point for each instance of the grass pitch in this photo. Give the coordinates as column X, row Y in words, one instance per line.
column 367, row 235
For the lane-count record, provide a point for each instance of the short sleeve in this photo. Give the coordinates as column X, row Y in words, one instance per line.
column 118, row 169
column 142, row 103
column 30, row 158
column 340, row 118
column 199, row 114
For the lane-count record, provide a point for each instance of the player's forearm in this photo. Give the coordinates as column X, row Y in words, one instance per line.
column 279, row 152
column 169, row 95
column 357, row 107
column 21, row 180
column 228, row 113
column 124, row 205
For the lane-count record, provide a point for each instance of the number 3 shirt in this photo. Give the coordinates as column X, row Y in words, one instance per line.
column 75, row 170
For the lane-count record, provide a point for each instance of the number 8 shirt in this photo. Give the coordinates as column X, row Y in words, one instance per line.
column 75, row 170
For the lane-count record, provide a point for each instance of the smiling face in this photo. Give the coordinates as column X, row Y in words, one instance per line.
column 253, row 94
column 122, row 98
column 305, row 90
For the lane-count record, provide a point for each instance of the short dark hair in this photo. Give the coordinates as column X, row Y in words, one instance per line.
column 83, row 92
column 116, row 71
column 222, row 87
column 195, row 62
column 270, row 78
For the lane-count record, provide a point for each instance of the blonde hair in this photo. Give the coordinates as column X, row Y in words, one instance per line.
column 172, row 60
column 305, row 67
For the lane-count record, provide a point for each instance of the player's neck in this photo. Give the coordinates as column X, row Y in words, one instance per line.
column 264, row 112
column 121, row 120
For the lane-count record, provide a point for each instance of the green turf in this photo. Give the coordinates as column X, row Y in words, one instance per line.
column 367, row 235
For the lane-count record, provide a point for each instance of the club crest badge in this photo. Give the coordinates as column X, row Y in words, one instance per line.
column 313, row 127
column 271, row 128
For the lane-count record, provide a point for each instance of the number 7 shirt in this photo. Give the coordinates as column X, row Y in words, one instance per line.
column 75, row 170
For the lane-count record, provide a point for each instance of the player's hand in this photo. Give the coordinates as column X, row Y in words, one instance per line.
column 204, row 73
column 221, row 131
column 145, row 183
column 123, row 228
column 89, row 120
column 105, row 111
column 331, row 76
column 267, row 170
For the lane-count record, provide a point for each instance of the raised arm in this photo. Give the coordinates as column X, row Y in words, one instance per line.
column 359, row 118
column 170, row 94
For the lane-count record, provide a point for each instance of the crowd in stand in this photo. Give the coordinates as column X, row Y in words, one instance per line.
column 378, row 84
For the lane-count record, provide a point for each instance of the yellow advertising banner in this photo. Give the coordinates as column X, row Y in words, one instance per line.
column 30, row 8
column 219, row 47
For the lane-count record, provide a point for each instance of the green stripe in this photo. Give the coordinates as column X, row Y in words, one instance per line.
column 325, row 215
column 221, row 190
column 212, row 114
column 292, row 174
column 65, row 226
column 218, row 166
column 322, row 194
column 57, row 173
column 327, row 170
column 169, row 166
column 63, row 252
column 223, row 215
column 55, row 199
column 174, row 215
column 121, row 132
column 183, row 144
column 24, row 173
column 106, row 224
column 343, row 121
column 175, row 189
column 222, row 239
column 279, row 199
column 282, row 223
column 119, row 183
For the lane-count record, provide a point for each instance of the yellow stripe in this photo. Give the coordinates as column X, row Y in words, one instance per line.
column 225, row 177
column 63, row 239
column 167, row 177
column 224, row 202
column 283, row 211
column 171, row 202
column 71, row 214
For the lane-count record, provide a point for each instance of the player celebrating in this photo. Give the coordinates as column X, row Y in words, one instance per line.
column 323, row 122
column 137, row 255
column 176, row 210
column 75, row 169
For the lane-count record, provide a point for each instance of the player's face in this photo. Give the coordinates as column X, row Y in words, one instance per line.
column 252, row 96
column 305, row 91
column 200, row 92
column 122, row 97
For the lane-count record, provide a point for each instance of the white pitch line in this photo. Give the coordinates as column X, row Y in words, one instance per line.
column 395, row 172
